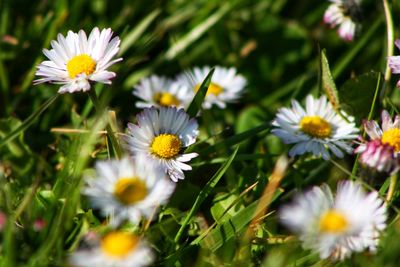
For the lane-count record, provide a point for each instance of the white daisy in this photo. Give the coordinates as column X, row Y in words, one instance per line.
column 226, row 84
column 317, row 129
column 162, row 92
column 383, row 142
column 345, row 14
column 128, row 189
column 163, row 134
column 76, row 60
column 115, row 249
column 337, row 226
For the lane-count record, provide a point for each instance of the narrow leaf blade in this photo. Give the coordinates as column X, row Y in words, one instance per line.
column 327, row 82
column 198, row 99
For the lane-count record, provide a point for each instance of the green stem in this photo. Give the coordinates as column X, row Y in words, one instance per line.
column 110, row 132
column 392, row 187
column 390, row 43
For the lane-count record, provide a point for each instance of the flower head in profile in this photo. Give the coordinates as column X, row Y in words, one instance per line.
column 128, row 189
column 394, row 62
column 336, row 226
column 318, row 129
column 344, row 14
column 382, row 151
column 161, row 92
column 76, row 60
column 162, row 135
column 226, row 85
column 116, row 248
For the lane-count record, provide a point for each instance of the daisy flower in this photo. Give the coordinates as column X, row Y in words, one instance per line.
column 317, row 129
column 76, row 60
column 345, row 14
column 383, row 150
column 128, row 189
column 162, row 135
column 394, row 62
column 161, row 92
column 116, row 248
column 226, row 84
column 337, row 226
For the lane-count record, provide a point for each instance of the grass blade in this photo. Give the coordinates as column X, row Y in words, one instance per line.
column 28, row 122
column 233, row 140
column 327, row 82
column 204, row 193
column 129, row 39
column 223, row 232
column 197, row 32
column 198, row 99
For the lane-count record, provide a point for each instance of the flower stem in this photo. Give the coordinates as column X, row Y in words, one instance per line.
column 392, row 187
column 110, row 132
column 390, row 41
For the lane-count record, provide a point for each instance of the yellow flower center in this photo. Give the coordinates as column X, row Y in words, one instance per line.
column 119, row 244
column 392, row 137
column 214, row 89
column 81, row 64
column 315, row 126
column 333, row 222
column 166, row 146
column 130, row 190
column 166, row 99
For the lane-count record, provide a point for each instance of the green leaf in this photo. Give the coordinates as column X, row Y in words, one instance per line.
column 198, row 99
column 249, row 118
column 358, row 95
column 327, row 82
column 46, row 198
column 205, row 192
column 222, row 203
column 223, row 232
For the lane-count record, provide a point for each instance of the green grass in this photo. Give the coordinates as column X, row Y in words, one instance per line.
column 275, row 44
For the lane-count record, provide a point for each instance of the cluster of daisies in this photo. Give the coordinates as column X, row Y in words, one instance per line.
column 133, row 188
column 352, row 220
column 159, row 91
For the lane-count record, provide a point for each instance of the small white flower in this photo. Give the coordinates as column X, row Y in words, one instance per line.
column 162, row 92
column 317, row 129
column 115, row 249
column 394, row 62
column 226, row 84
column 128, row 189
column 162, row 135
column 345, row 14
column 76, row 60
column 337, row 226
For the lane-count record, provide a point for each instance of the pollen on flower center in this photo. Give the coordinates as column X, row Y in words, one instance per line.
column 119, row 244
column 392, row 137
column 315, row 126
column 166, row 146
column 214, row 89
column 333, row 222
column 130, row 190
column 166, row 99
column 81, row 64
